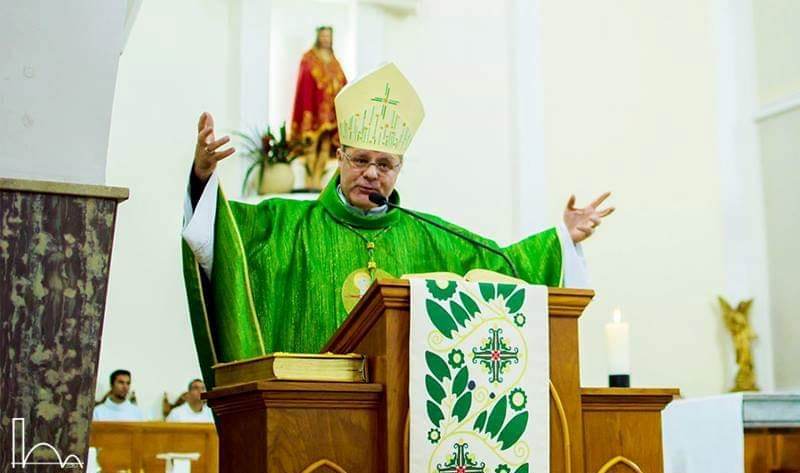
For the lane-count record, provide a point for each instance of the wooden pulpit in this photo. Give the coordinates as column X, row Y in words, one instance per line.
column 302, row 427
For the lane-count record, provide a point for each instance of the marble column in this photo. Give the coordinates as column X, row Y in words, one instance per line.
column 55, row 250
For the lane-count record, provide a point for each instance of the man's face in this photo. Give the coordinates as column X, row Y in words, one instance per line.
column 121, row 386
column 363, row 172
column 325, row 38
column 195, row 390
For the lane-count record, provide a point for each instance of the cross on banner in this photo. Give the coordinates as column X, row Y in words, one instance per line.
column 495, row 355
column 461, row 462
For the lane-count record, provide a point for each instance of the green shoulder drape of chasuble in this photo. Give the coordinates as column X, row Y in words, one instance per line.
column 279, row 267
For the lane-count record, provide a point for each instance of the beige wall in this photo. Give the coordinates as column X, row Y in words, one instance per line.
column 58, row 64
column 455, row 53
column 629, row 107
column 777, row 27
column 177, row 63
column 780, row 141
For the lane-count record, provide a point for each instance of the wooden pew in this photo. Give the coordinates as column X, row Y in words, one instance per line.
column 131, row 447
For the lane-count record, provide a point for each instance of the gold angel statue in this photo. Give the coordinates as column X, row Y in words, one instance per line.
column 738, row 323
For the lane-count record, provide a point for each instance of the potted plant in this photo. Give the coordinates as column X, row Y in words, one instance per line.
column 269, row 157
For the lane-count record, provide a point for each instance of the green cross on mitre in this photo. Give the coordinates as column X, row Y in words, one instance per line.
column 385, row 100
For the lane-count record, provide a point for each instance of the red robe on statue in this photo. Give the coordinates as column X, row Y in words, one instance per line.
column 317, row 85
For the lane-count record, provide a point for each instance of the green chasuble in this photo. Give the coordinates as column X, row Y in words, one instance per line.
column 280, row 266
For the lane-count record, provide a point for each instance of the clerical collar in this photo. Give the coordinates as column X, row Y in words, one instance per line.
column 373, row 211
column 340, row 209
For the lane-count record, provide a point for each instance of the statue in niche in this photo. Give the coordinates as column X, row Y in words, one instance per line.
column 738, row 323
column 314, row 117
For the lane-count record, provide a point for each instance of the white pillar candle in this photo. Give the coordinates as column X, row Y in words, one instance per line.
column 618, row 343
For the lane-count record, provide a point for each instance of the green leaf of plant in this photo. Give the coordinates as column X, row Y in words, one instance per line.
column 522, row 468
column 480, row 421
column 505, row 290
column 487, row 290
column 435, row 390
column 459, row 313
column 248, row 140
column 434, row 413
column 514, row 303
column 247, row 174
column 513, row 430
column 460, row 381
column 461, row 409
column 496, row 417
column 440, row 318
column 469, row 304
column 437, row 365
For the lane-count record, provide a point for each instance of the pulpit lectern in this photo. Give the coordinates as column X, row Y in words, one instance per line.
column 304, row 427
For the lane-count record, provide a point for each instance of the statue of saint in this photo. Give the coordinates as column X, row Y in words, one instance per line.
column 738, row 323
column 314, row 117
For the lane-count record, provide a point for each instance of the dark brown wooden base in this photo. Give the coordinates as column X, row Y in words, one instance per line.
column 622, row 428
column 279, row 426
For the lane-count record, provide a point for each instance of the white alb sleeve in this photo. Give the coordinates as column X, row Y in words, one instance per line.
column 576, row 274
column 198, row 224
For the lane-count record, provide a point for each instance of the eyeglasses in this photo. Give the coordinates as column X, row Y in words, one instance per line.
column 384, row 166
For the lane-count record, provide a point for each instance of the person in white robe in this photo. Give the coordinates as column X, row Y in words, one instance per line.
column 195, row 408
column 117, row 406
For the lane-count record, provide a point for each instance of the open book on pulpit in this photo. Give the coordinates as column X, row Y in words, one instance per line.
column 473, row 275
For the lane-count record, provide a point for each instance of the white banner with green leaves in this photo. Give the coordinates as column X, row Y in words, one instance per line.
column 478, row 378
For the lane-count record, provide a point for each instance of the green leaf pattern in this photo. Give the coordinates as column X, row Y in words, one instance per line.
column 499, row 417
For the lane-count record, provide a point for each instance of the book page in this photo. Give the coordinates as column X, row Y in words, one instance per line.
column 473, row 275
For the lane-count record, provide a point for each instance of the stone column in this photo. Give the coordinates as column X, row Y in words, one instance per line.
column 55, row 250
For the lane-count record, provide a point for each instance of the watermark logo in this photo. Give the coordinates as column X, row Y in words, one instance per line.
column 22, row 460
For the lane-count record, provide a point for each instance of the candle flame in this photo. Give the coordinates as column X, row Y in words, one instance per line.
column 617, row 315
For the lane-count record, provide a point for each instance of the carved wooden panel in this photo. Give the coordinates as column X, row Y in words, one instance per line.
column 622, row 429
column 280, row 426
column 775, row 450
column 133, row 446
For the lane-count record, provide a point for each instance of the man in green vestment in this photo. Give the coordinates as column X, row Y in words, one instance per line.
column 282, row 275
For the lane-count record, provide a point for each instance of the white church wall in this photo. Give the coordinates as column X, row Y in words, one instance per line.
column 780, row 142
column 58, row 66
column 741, row 184
column 777, row 34
column 180, row 60
column 455, row 52
column 629, row 107
column 293, row 29
column 777, row 38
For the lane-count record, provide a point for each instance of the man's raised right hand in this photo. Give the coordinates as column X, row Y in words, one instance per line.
column 208, row 151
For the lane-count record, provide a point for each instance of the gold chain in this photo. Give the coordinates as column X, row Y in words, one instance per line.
column 370, row 246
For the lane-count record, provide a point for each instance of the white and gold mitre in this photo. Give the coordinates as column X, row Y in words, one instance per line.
column 380, row 111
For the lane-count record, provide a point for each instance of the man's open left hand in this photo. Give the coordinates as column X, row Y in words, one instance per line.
column 582, row 222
